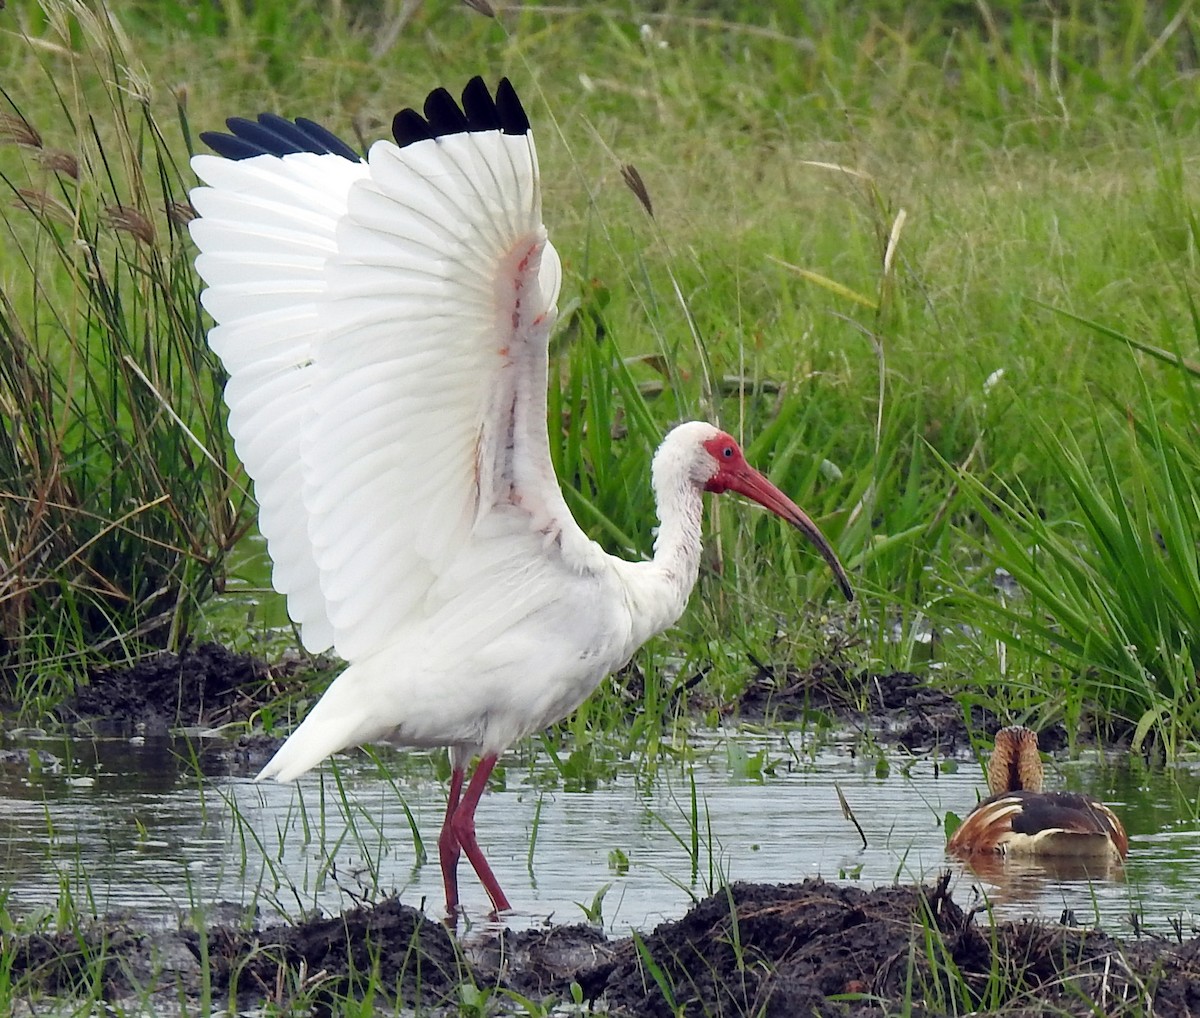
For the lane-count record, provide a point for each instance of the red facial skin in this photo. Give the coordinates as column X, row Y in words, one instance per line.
column 735, row 474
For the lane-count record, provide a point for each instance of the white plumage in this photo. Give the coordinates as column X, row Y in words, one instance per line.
column 384, row 324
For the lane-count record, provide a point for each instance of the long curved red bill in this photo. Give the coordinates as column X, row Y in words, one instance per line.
column 749, row 482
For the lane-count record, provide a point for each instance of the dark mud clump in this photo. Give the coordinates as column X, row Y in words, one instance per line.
column 811, row 948
column 202, row 688
column 899, row 707
column 779, row 950
column 389, row 946
column 206, row 685
column 823, row 949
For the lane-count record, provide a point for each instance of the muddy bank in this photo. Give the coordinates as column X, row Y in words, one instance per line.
column 898, row 707
column 208, row 686
column 812, row 948
column 205, row 686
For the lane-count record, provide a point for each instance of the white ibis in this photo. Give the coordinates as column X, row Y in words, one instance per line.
column 384, row 323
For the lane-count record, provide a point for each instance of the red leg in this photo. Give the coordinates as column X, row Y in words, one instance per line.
column 462, row 825
column 448, row 846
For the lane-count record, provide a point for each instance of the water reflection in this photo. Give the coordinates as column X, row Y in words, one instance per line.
column 1015, row 885
column 1019, row 874
column 125, row 826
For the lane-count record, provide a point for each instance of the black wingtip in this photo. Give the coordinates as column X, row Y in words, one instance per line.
column 479, row 111
column 274, row 136
column 230, row 145
column 513, row 119
column 443, row 115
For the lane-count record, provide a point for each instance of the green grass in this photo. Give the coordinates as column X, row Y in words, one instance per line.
column 864, row 212
column 1112, row 592
column 117, row 502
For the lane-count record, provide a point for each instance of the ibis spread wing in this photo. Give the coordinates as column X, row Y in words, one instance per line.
column 266, row 231
column 391, row 394
column 433, row 340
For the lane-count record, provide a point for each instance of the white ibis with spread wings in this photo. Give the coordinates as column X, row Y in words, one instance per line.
column 384, row 323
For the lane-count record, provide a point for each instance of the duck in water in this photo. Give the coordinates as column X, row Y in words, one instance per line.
column 1020, row 819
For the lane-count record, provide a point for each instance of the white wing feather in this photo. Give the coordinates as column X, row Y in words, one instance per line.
column 422, row 352
column 266, row 231
column 385, row 326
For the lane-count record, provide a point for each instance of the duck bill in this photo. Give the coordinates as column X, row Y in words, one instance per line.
column 753, row 485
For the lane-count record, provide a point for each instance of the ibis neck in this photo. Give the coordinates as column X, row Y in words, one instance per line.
column 658, row 590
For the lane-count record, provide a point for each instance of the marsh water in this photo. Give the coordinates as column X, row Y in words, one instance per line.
column 130, row 827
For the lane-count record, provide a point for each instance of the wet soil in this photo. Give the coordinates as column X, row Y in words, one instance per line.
column 811, row 948
column 898, row 707
column 209, row 686
column 206, row 686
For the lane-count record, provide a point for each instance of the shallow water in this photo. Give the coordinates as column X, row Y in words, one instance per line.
column 129, row 827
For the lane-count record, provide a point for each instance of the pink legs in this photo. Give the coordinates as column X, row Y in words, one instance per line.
column 458, row 833
column 448, row 848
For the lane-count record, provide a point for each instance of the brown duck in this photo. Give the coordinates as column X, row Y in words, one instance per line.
column 1019, row 818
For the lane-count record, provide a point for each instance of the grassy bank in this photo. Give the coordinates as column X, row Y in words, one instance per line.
column 878, row 238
